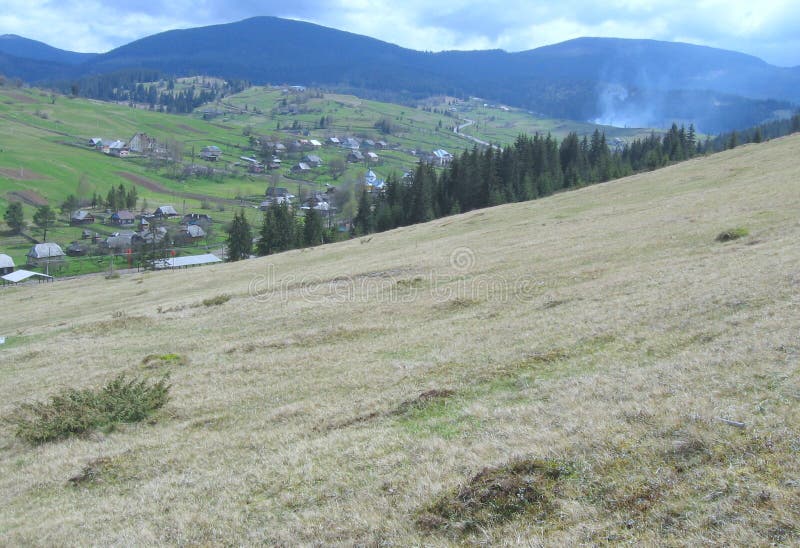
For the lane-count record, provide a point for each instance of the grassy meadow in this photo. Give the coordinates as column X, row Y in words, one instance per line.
column 590, row 368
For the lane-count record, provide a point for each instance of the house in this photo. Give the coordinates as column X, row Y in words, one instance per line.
column 118, row 149
column 381, row 144
column 278, row 192
column 141, row 143
column 334, row 141
column 196, row 219
column 301, row 167
column 150, row 236
column 314, row 143
column 253, row 165
column 211, row 153
column 81, row 217
column 192, row 233
column 355, row 156
column 278, row 200
column 280, row 148
column 45, row 254
column 312, row 160
column 351, row 143
column 120, row 241
column 441, row 157
column 275, row 163
column 6, row 265
column 372, row 182
column 368, row 143
column 165, row 211
column 77, row 249
column 96, row 142
column 122, row 217
column 372, row 157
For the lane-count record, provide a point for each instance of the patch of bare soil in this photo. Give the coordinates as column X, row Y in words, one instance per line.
column 29, row 197
column 20, row 174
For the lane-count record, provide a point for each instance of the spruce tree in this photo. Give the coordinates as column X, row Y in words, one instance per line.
column 14, row 217
column 312, row 228
column 240, row 238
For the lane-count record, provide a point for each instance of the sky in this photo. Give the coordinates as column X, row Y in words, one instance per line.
column 769, row 29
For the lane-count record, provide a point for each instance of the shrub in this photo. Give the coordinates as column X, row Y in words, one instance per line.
column 495, row 495
column 218, row 300
column 732, row 234
column 76, row 411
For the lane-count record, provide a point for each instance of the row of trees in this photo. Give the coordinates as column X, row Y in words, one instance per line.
column 44, row 217
column 532, row 167
column 280, row 231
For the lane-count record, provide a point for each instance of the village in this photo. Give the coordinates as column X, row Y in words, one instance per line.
column 161, row 238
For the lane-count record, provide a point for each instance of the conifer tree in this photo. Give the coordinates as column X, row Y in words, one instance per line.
column 240, row 238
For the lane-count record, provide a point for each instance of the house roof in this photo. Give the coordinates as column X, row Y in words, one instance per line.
column 372, row 155
column 42, row 251
column 211, row 148
column 117, row 144
column 303, row 166
column 315, row 143
column 124, row 215
column 192, row 260
column 22, row 275
column 6, row 261
column 195, row 231
column 166, row 210
column 80, row 215
column 314, row 158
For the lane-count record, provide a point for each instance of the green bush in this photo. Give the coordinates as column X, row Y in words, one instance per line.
column 732, row 234
column 218, row 300
column 76, row 411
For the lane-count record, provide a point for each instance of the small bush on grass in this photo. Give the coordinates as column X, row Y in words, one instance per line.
column 496, row 495
column 732, row 234
column 218, row 300
column 76, row 411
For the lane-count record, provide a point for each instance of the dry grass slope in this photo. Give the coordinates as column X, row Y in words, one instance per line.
column 605, row 328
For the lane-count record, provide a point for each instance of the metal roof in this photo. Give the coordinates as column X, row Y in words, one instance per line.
column 22, row 275
column 6, row 261
column 42, row 251
column 192, row 260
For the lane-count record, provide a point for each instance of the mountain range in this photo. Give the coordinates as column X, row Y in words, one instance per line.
column 641, row 83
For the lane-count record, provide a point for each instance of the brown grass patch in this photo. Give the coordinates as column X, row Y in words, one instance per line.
column 21, row 175
column 29, row 197
column 429, row 397
column 495, row 495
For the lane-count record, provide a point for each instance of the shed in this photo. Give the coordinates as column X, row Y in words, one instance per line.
column 23, row 275
column 123, row 217
column 166, row 211
column 81, row 217
column 43, row 254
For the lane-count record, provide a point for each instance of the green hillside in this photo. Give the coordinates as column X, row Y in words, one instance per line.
column 592, row 368
column 45, row 157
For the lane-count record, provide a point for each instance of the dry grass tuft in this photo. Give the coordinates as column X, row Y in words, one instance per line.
column 495, row 495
